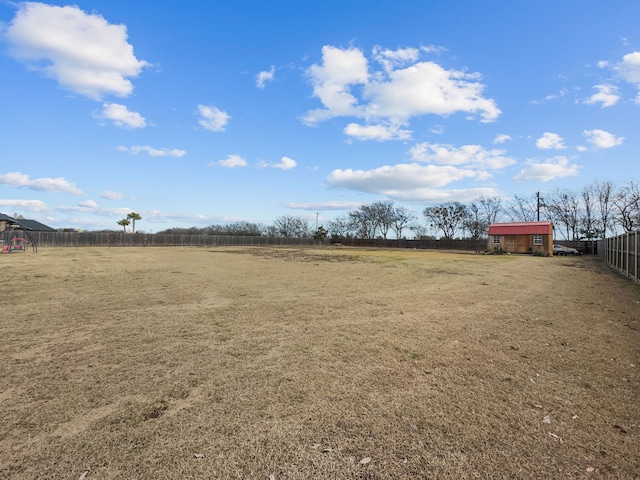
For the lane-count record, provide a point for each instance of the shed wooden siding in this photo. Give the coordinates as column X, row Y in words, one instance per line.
column 518, row 237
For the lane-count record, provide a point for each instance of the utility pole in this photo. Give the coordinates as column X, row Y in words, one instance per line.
column 538, row 200
column 317, row 213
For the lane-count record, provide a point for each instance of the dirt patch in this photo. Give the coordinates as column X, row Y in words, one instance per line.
column 316, row 363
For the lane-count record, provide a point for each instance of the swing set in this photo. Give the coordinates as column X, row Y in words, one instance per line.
column 16, row 237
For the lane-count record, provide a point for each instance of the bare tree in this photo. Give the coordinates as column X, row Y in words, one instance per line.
column 340, row 227
column 605, row 193
column 627, row 204
column 364, row 222
column 475, row 223
column 563, row 207
column 287, row 226
column 590, row 226
column 448, row 217
column 523, row 209
column 491, row 207
column 402, row 219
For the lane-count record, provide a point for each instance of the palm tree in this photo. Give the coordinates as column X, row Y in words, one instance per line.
column 133, row 216
column 124, row 222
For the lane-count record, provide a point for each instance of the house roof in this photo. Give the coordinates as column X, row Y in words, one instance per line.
column 520, row 228
column 25, row 224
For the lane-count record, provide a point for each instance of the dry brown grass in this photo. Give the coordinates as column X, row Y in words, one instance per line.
column 233, row 363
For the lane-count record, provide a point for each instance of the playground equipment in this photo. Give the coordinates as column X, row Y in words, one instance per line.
column 14, row 244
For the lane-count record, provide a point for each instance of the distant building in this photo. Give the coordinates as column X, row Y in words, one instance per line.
column 522, row 237
column 18, row 222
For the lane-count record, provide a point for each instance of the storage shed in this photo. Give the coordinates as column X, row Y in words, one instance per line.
column 522, row 237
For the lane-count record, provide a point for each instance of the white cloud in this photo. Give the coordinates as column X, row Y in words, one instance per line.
column 467, row 155
column 629, row 68
column 550, row 141
column 107, row 212
column 83, row 52
column 153, row 152
column 388, row 179
column 606, row 95
column 553, row 96
column 602, row 139
column 35, row 206
column 320, row 206
column 232, row 161
column 90, row 204
column 391, row 59
column 410, row 182
column 501, row 138
column 20, row 180
column 557, row 167
column 395, row 93
column 121, row 116
column 285, row 163
column 111, row 195
column 265, row 76
column 376, row 132
column 212, row 118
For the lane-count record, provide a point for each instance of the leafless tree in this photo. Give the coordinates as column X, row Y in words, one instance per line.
column 475, row 222
column 523, row 209
column 563, row 207
column 605, row 193
column 288, row 226
column 448, row 217
column 340, row 227
column 590, row 227
column 403, row 218
column 627, row 205
column 491, row 208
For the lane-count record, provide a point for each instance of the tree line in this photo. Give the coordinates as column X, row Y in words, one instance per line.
column 593, row 212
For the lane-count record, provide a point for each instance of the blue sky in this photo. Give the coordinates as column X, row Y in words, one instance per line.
column 197, row 113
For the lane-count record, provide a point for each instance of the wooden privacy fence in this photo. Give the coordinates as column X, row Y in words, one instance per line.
column 622, row 253
column 120, row 239
column 113, row 239
column 443, row 244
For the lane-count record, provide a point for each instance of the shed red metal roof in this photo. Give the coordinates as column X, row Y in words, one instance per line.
column 520, row 228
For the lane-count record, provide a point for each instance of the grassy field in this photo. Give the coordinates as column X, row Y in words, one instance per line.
column 328, row 363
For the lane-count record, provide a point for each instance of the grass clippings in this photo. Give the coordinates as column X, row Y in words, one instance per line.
column 290, row 363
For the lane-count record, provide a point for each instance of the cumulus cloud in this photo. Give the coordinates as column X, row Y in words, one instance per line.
column 85, row 207
column 376, row 132
column 232, row 161
column 501, row 138
column 212, row 118
column 121, row 116
column 402, row 88
column 111, row 195
column 265, row 76
column 401, row 176
column 467, row 155
column 45, row 184
column 285, row 163
column 320, row 206
column 629, row 68
column 410, row 182
column 602, row 138
column 153, row 152
column 606, row 96
column 35, row 206
column 557, row 167
column 90, row 204
column 550, row 141
column 83, row 52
